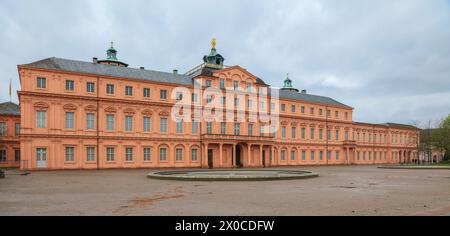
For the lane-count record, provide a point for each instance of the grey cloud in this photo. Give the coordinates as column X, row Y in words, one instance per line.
column 388, row 59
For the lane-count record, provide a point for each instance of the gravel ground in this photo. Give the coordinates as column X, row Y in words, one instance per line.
column 340, row 190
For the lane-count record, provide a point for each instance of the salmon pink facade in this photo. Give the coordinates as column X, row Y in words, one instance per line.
column 9, row 135
column 103, row 114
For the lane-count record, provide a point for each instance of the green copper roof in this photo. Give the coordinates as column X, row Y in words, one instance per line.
column 288, row 84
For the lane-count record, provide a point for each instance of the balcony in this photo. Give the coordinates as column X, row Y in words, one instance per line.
column 349, row 143
column 238, row 138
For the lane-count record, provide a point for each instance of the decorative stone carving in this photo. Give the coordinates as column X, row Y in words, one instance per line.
column 110, row 110
column 90, row 108
column 147, row 112
column 41, row 106
column 69, row 107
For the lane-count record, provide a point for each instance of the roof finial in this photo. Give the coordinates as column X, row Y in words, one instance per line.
column 112, row 43
column 213, row 43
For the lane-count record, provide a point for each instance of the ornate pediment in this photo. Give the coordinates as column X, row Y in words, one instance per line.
column 164, row 113
column 90, row 108
column 41, row 106
column 284, row 122
column 110, row 110
column 147, row 112
column 69, row 107
column 129, row 111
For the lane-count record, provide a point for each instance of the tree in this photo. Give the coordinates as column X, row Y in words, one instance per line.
column 441, row 136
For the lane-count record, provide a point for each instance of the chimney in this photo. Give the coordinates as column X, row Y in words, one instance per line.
column 142, row 68
column 175, row 72
column 94, row 60
column 304, row 91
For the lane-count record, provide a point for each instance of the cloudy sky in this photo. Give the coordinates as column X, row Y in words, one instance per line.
column 390, row 60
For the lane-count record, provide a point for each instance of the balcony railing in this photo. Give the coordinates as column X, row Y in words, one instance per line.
column 246, row 138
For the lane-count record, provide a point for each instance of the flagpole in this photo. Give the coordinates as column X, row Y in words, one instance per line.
column 10, row 97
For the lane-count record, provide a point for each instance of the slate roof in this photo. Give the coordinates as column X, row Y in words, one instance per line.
column 67, row 65
column 292, row 95
column 387, row 125
column 9, row 109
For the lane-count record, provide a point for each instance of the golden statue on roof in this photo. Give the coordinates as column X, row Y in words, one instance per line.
column 213, row 43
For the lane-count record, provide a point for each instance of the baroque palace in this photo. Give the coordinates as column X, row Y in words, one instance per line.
column 104, row 114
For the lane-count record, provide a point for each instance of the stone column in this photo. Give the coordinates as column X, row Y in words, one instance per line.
column 234, row 155
column 220, row 155
column 347, row 150
column 249, row 154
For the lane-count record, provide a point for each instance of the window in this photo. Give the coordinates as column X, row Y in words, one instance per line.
column 329, row 155
column 90, row 87
column 128, row 154
column 357, row 156
column 292, row 108
column 179, row 126
column 303, row 133
column 163, row 94
column 2, row 155
column 110, row 154
column 179, row 96
column 312, row 155
column 236, row 102
column 70, row 120
column 90, row 154
column 283, row 132
column 109, row 122
column 179, row 154
column 41, row 119
column 129, row 123
column 163, row 125
column 364, row 156
column 16, row 155
column 328, row 113
column 194, row 127
column 249, row 87
column 320, row 112
column 146, row 92
column 337, row 155
column 209, row 127
column 336, row 114
column 147, row 154
column 320, row 134
column 237, row 129
column 329, row 134
column 311, row 110
column 346, row 135
column 90, row 121
column 222, row 83
column 194, row 154
column 283, row 107
column 292, row 155
column 346, row 115
column 223, row 128
column 194, row 97
column 41, row 154
column 2, row 129
column 128, row 91
column 261, row 130
column 249, row 104
column 208, row 83
column 321, row 155
column 209, row 99
column 41, row 82
column 223, row 101
column 110, row 88
column 250, row 130
column 70, row 85
column 235, row 85
column 303, row 155
column 293, row 131
column 312, row 133
column 337, row 135
column 283, row 155
column 146, row 124
column 302, row 109
column 163, row 154
column 70, row 154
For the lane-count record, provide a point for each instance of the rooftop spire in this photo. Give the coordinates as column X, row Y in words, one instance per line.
column 288, row 84
column 213, row 43
column 111, row 57
column 214, row 60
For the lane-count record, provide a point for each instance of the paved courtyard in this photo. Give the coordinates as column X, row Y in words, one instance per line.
column 340, row 190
